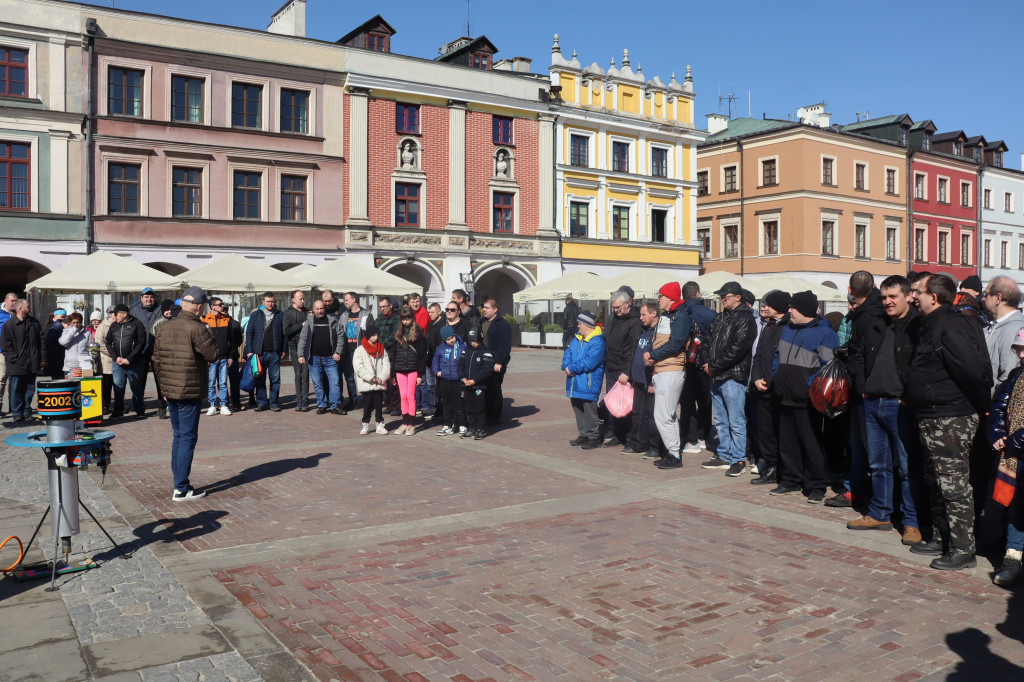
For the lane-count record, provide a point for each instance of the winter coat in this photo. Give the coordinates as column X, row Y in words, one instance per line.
column 147, row 315
column 101, row 338
column 54, row 351
column 226, row 332
column 764, row 356
column 182, row 356
column 863, row 349
column 291, row 324
column 22, row 344
column 669, row 352
column 868, row 324
column 620, row 341
column 126, row 340
column 803, row 351
column 254, row 332
column 999, row 338
column 997, row 417
column 584, row 358
column 446, row 359
column 499, row 340
column 4, row 316
column 412, row 357
column 388, row 325
column 422, row 317
column 366, row 368
column 76, row 342
column 728, row 347
column 305, row 341
column 434, row 339
column 700, row 313
column 476, row 364
column 950, row 375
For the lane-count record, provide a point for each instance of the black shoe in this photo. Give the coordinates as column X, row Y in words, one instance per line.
column 785, row 490
column 767, row 476
column 716, row 463
column 578, row 441
column 113, row 415
column 612, row 442
column 161, row 413
column 237, row 407
column 479, row 435
column 1009, row 573
column 298, row 408
column 931, row 548
column 275, row 408
column 591, row 444
column 304, row 408
column 816, row 497
column 321, row 410
column 954, row 561
column 260, row 408
column 736, row 468
column 841, row 499
column 669, row 463
column 466, row 434
column 628, row 450
column 652, row 454
column 141, row 415
column 338, row 410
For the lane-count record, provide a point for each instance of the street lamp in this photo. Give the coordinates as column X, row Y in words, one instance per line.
column 467, row 281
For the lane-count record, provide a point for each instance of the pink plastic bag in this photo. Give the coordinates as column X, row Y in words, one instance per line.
column 619, row 400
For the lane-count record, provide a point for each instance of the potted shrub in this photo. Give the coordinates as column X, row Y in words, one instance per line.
column 517, row 334
column 553, row 336
column 531, row 332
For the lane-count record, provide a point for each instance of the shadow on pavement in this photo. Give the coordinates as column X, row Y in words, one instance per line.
column 973, row 646
column 169, row 530
column 266, row 470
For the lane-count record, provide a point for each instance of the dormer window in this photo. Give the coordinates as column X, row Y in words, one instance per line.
column 958, row 148
column 481, row 60
column 377, row 42
column 977, row 153
column 997, row 159
column 926, row 141
column 903, row 135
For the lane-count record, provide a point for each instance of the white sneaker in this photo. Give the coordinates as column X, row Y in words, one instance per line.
column 225, row 411
column 462, row 430
column 365, row 430
column 400, row 430
column 190, row 494
column 702, row 445
column 212, row 411
column 754, row 469
column 410, row 430
column 381, row 429
column 692, row 448
column 446, row 431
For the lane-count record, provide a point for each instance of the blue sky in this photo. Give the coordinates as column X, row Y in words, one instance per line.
column 955, row 63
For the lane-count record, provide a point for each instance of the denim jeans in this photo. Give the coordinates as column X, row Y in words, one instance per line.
column 217, row 386
column 272, row 369
column 184, row 416
column 22, row 386
column 425, row 392
column 728, row 412
column 133, row 375
column 1015, row 526
column 324, row 371
column 892, row 446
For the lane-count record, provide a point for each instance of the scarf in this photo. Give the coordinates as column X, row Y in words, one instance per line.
column 374, row 349
column 1006, row 476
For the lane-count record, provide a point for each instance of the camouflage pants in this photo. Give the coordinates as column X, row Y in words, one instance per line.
column 946, row 442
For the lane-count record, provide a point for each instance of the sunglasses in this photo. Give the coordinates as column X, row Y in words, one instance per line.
column 451, row 310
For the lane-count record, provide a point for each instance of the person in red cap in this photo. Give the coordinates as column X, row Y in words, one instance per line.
column 668, row 357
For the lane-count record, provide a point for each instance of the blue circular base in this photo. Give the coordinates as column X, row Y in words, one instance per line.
column 37, row 439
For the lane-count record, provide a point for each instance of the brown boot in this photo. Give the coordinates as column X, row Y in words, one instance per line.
column 911, row 536
column 868, row 523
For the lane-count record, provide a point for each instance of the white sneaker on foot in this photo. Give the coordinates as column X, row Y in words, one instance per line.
column 381, row 429
column 692, row 448
column 190, row 494
column 225, row 411
column 400, row 430
column 212, row 411
column 462, row 430
column 446, row 431
column 365, row 430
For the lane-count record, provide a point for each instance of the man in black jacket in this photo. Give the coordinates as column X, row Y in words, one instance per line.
column 497, row 336
column 148, row 311
column 292, row 320
column 725, row 357
column 569, row 315
column 948, row 386
column 433, row 334
column 126, row 344
column 620, row 343
column 767, row 404
column 21, row 338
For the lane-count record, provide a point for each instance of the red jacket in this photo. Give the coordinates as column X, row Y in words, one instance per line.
column 422, row 317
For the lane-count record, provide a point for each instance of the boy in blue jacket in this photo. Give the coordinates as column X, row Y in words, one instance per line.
column 583, row 364
column 445, row 367
column 476, row 367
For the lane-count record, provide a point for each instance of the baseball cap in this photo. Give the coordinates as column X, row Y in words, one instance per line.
column 121, row 308
column 731, row 287
column 194, row 295
column 148, row 290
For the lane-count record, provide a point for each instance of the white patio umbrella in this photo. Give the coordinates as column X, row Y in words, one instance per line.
column 580, row 285
column 793, row 284
column 644, row 282
column 235, row 273
column 349, row 274
column 105, row 272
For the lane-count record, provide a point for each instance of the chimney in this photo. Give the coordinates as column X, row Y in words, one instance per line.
column 717, row 123
column 290, row 20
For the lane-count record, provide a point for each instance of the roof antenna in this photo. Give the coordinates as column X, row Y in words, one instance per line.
column 468, row 34
column 730, row 98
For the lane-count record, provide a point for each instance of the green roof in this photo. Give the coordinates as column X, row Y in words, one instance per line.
column 921, row 124
column 740, row 127
column 874, row 123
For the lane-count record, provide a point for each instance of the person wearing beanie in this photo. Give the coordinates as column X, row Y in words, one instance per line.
column 725, row 356
column 583, row 365
column 766, row 405
column 695, row 401
column 476, row 370
column 806, row 343
column 372, row 370
column 668, row 357
column 445, row 366
column 972, row 285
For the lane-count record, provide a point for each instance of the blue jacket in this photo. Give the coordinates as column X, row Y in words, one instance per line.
column 584, row 357
column 254, row 333
column 700, row 313
column 997, row 418
column 499, row 340
column 803, row 350
column 446, row 359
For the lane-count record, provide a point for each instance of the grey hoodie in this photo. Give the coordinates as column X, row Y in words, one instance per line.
column 999, row 338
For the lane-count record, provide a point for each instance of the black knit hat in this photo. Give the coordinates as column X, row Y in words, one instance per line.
column 371, row 329
column 805, row 302
column 778, row 300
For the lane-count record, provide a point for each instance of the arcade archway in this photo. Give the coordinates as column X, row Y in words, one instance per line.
column 501, row 284
column 15, row 273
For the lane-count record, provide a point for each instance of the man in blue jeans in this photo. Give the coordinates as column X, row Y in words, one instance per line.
column 878, row 369
column 725, row 356
column 320, row 347
column 183, row 350
column 264, row 335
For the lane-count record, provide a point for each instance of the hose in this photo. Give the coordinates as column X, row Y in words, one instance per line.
column 21, row 552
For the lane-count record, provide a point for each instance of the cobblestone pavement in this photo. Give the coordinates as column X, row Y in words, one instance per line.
column 320, row 554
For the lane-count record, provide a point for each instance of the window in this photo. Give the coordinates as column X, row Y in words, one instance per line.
column 1002, row 254
column 247, row 195
column 943, row 195
column 246, row 105
column 187, row 192
column 890, row 243
column 860, row 241
column 658, row 220
column 579, row 219
column 987, row 201
column 620, row 223
column 730, row 178
column 997, row 159
column 958, row 148
column 919, row 245
column 13, row 72
column 965, row 249
column 919, row 186
column 502, row 204
column 890, row 181
column 187, row 99
column 620, row 157
column 14, row 168
column 965, row 194
column 926, row 141
column 903, row 135
column 407, row 118
column 501, row 130
column 659, row 162
column 293, row 198
column 123, row 188
column 977, row 153
column 771, row 237
column 407, row 205
column 294, row 111
column 769, row 174
column 859, row 171
column 377, row 42
column 943, row 247
column 481, row 61
column 704, row 235
column 124, row 92
column 828, row 238
column 732, row 241
column 988, row 253
column 702, row 184
column 1008, row 202
column 826, row 171
column 579, row 150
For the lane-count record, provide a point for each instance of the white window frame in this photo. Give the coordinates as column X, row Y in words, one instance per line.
column 970, row 247
column 867, row 175
column 669, row 160
column 1004, row 254
column 938, row 193
column 104, row 64
column 297, row 172
column 987, row 253
column 942, row 233
column 592, row 218
column 634, row 226
column 695, row 179
column 265, row 185
column 592, row 147
column 739, row 243
column 709, row 244
column 264, row 104
column 632, row 144
column 207, row 77
column 503, row 189
column 670, row 221
column 866, row 222
column 835, row 170
column 142, row 160
column 202, row 164
column 987, row 199
column 896, row 251
column 311, row 119
column 919, row 227
column 1012, row 202
column 1020, row 255
column 32, row 47
column 769, row 218
column 970, row 194
column 721, row 176
column 924, row 186
column 760, row 169
column 896, row 183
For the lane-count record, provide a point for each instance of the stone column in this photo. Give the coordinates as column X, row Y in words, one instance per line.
column 358, row 159
column 456, row 165
column 546, row 175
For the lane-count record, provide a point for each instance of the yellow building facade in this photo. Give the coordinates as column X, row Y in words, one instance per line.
column 625, row 168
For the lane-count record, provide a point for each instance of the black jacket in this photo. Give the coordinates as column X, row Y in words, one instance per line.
column 291, row 324
column 476, row 364
column 764, row 356
column 412, row 357
column 620, row 342
column 22, row 341
column 147, row 315
column 868, row 323
column 862, row 357
column 499, row 340
column 728, row 347
column 127, row 340
column 950, row 375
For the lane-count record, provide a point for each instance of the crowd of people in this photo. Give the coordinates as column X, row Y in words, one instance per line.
column 931, row 432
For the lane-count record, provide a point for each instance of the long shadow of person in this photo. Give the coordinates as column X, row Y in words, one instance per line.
column 266, row 470
column 974, row 647
column 176, row 530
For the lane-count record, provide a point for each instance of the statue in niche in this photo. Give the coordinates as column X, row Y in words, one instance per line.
column 501, row 167
column 408, row 156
